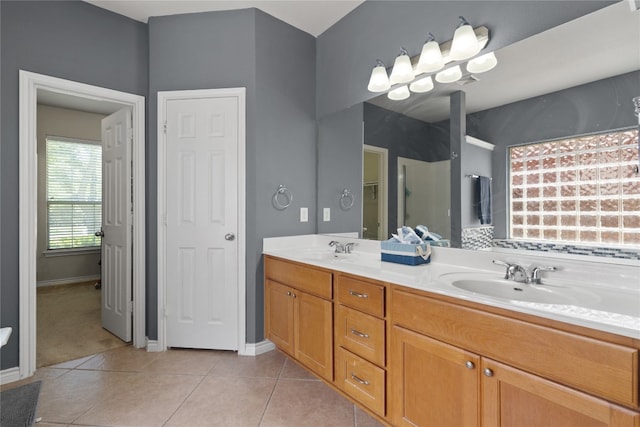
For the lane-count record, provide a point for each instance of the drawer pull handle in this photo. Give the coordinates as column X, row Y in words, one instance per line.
column 358, row 294
column 469, row 364
column 488, row 372
column 359, row 334
column 359, row 380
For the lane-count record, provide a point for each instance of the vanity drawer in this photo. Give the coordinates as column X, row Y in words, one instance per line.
column 362, row 380
column 604, row 369
column 361, row 334
column 361, row 295
column 308, row 279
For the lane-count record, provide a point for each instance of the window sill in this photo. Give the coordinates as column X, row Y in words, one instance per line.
column 71, row 252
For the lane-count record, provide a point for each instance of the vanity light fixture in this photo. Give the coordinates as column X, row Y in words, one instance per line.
column 399, row 93
column 402, row 71
column 449, row 75
column 482, row 63
column 379, row 81
column 422, row 85
column 431, row 57
column 465, row 43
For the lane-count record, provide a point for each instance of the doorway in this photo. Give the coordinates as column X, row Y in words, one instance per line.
column 201, row 219
column 31, row 86
column 374, row 193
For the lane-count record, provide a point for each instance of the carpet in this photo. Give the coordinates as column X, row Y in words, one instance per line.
column 69, row 324
column 19, row 405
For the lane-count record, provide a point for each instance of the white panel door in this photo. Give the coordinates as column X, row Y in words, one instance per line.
column 202, row 219
column 116, row 224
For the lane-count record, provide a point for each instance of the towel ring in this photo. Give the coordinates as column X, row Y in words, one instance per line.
column 346, row 199
column 287, row 195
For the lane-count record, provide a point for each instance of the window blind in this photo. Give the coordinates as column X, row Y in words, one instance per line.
column 74, row 193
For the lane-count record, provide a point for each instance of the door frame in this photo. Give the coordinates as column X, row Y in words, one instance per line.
column 383, row 186
column 30, row 83
column 163, row 97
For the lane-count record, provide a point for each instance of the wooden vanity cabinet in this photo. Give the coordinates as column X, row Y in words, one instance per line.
column 455, row 365
column 297, row 321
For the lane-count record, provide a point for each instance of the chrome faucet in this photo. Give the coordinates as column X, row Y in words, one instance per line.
column 340, row 249
column 518, row 273
column 348, row 247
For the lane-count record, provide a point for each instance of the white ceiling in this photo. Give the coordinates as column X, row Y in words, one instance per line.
column 602, row 44
column 311, row 16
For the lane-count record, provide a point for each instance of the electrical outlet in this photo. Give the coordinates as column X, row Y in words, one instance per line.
column 326, row 214
column 304, row 214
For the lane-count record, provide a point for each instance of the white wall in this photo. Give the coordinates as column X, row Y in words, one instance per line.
column 56, row 121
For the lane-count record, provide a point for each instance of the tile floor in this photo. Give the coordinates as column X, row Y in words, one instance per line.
column 131, row 387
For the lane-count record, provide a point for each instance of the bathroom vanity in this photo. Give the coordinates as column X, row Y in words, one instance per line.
column 412, row 349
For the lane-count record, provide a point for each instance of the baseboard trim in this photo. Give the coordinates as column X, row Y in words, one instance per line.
column 153, row 346
column 9, row 375
column 259, row 348
column 66, row 281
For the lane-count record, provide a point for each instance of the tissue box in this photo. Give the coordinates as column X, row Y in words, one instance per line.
column 442, row 242
column 403, row 253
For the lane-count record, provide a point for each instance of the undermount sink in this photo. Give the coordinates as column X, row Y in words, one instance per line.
column 326, row 255
column 508, row 289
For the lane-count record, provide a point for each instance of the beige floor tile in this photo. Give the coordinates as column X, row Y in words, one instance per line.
column 365, row 420
column 121, row 359
column 292, row 370
column 41, row 374
column 65, row 398
column 72, row 364
column 145, row 399
column 297, row 403
column 189, row 362
column 225, row 402
column 267, row 365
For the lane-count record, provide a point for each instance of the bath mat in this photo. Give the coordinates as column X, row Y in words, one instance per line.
column 19, row 405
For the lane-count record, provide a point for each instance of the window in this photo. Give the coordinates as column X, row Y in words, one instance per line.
column 583, row 189
column 74, row 193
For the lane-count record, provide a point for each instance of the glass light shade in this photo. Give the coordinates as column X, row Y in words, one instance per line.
column 402, row 70
column 430, row 58
column 449, row 75
column 379, row 81
column 482, row 63
column 421, row 86
column 398, row 94
column 465, row 43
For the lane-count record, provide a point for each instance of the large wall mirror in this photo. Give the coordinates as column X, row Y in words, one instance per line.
column 576, row 79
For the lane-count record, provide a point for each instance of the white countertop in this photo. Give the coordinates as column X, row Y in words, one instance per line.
column 616, row 284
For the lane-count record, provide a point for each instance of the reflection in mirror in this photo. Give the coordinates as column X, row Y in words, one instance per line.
column 571, row 85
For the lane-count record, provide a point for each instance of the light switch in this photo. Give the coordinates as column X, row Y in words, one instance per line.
column 326, row 214
column 304, row 214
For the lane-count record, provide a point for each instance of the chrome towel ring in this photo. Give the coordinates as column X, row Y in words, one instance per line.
column 347, row 199
column 282, row 198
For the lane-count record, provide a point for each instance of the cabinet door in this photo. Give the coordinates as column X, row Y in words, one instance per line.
column 432, row 384
column 313, row 332
column 279, row 320
column 513, row 398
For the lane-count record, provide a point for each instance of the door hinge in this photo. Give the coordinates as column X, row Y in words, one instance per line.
column 130, row 134
column 164, row 128
column 130, row 307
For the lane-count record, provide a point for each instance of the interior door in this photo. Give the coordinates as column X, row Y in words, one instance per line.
column 202, row 217
column 116, row 224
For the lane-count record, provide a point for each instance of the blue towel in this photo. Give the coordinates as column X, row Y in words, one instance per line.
column 483, row 199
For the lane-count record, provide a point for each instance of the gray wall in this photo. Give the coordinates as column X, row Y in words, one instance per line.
column 595, row 107
column 71, row 40
column 244, row 48
column 404, row 137
column 340, row 167
column 377, row 29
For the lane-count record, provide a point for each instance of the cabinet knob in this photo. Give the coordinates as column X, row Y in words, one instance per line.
column 469, row 364
column 487, row 372
column 289, row 293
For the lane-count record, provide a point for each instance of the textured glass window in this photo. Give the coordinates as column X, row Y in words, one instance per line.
column 74, row 193
column 583, row 189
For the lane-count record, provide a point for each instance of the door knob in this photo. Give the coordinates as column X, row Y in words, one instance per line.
column 99, row 233
column 229, row 236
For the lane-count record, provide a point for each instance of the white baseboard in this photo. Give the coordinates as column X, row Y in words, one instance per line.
column 66, row 281
column 259, row 348
column 153, row 346
column 9, row 375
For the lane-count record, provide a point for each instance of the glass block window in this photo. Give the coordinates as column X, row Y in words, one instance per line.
column 74, row 193
column 581, row 189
